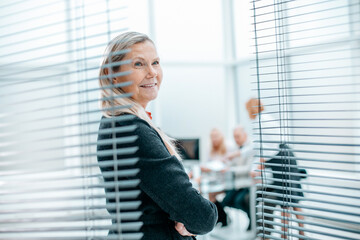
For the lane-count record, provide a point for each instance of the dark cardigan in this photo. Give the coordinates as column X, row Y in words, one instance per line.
column 166, row 192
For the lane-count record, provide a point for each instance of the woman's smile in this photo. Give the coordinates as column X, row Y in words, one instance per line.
column 150, row 85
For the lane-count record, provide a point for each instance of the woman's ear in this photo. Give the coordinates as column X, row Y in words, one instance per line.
column 113, row 80
column 106, row 71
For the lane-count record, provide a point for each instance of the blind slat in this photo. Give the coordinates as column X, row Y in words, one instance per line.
column 134, row 215
column 308, row 191
column 131, row 205
column 121, row 162
column 267, row 193
column 128, row 128
column 286, row 181
column 124, row 236
column 287, row 167
column 30, row 181
column 289, row 204
column 318, row 152
column 35, row 189
column 122, row 194
column 312, row 215
column 133, row 226
column 307, row 222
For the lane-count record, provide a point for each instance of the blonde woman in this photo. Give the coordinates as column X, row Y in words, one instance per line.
column 130, row 77
column 218, row 148
column 216, row 161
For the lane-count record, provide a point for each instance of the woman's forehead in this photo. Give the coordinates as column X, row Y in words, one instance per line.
column 143, row 47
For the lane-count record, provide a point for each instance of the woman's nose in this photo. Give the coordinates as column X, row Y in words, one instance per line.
column 152, row 72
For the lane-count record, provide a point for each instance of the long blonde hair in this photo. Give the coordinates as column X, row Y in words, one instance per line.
column 114, row 101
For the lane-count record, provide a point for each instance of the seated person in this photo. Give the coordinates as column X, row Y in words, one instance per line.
column 277, row 157
column 240, row 157
column 240, row 160
column 216, row 162
column 219, row 150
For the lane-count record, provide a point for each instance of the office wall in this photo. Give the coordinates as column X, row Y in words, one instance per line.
column 198, row 92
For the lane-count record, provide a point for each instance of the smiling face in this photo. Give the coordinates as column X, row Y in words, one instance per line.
column 146, row 73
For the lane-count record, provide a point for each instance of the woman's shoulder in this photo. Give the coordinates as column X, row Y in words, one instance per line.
column 130, row 125
column 123, row 120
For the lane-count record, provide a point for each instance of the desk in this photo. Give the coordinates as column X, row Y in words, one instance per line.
column 233, row 179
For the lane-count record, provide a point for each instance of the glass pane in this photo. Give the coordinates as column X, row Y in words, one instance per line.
column 192, row 101
column 189, row 29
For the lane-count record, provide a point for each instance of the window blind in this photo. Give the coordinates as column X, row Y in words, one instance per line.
column 51, row 186
column 307, row 72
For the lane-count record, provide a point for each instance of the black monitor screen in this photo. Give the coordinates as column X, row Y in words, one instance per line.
column 188, row 148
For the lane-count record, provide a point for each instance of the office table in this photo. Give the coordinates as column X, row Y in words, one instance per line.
column 232, row 179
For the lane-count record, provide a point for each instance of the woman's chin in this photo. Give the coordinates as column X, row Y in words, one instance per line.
column 146, row 99
column 151, row 95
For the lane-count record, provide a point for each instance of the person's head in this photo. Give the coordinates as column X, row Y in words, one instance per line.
column 217, row 142
column 254, row 107
column 216, row 137
column 130, row 77
column 132, row 66
column 240, row 135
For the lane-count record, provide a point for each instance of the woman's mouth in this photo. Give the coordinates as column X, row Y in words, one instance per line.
column 148, row 85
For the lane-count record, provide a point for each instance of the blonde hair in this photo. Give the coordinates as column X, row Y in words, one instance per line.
column 221, row 149
column 114, row 101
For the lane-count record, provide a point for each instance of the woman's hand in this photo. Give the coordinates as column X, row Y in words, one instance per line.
column 205, row 169
column 182, row 230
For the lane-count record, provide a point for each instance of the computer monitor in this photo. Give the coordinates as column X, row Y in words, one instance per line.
column 189, row 148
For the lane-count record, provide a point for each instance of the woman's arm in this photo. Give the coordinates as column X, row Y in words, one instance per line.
column 162, row 176
column 163, row 179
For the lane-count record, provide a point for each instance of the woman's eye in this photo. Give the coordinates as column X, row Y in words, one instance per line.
column 138, row 64
column 156, row 63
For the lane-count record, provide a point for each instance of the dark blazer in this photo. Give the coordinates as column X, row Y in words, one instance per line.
column 166, row 192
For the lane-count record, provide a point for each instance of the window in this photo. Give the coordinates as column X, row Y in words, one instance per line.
column 307, row 79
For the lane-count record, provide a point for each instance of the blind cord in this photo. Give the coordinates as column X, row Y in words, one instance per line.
column 263, row 176
column 279, row 76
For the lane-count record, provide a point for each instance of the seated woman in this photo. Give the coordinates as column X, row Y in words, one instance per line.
column 216, row 162
column 171, row 208
column 219, row 149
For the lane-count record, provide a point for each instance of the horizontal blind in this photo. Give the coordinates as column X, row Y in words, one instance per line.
column 51, row 185
column 308, row 135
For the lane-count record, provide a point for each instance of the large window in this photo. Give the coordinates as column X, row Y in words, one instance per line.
column 307, row 78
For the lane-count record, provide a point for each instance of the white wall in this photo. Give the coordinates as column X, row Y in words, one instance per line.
column 197, row 93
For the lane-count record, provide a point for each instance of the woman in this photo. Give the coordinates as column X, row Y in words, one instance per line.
column 171, row 208
column 217, row 162
column 218, row 148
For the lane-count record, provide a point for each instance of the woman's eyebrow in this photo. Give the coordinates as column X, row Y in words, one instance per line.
column 141, row 58
column 135, row 58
